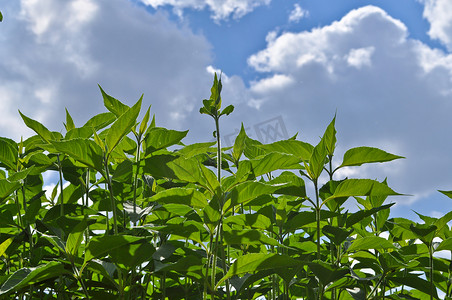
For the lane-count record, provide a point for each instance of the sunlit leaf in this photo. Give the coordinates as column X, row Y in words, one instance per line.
column 122, row 126
column 363, row 155
column 82, row 150
column 370, row 242
column 187, row 196
column 8, row 153
column 159, row 138
column 69, row 121
column 5, row 245
column 361, row 187
column 317, row 160
column 75, row 238
column 299, row 149
column 40, row 129
column 239, row 144
column 100, row 121
column 329, row 137
column 113, row 105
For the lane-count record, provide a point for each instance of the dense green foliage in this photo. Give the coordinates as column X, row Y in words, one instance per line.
column 137, row 214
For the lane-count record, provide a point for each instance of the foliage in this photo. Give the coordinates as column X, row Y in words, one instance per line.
column 144, row 216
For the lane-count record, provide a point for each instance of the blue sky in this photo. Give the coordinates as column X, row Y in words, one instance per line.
column 385, row 68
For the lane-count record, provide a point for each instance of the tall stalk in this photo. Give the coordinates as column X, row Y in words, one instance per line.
column 212, row 108
column 112, row 198
column 317, row 216
column 432, row 286
column 60, row 173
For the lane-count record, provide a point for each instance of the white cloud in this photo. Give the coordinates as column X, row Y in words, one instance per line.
column 314, row 46
column 221, row 9
column 275, row 83
column 360, row 57
column 439, row 14
column 55, row 52
column 389, row 92
column 297, row 13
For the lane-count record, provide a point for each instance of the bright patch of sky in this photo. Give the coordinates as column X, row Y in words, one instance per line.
column 384, row 66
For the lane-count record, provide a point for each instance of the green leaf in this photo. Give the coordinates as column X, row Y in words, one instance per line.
column 37, row 127
column 361, row 187
column 29, row 276
column 336, row 234
column 328, row 190
column 229, row 109
column 317, row 160
column 414, row 282
column 329, row 137
column 75, row 238
column 191, row 170
column 447, row 193
column 257, row 221
column 255, row 262
column 252, row 148
column 424, row 232
column 8, row 153
column 160, row 138
column 82, row 150
column 69, row 122
column 239, row 145
column 7, row 188
column 299, row 149
column 122, row 126
column 113, row 105
column 362, row 214
column 31, row 214
column 289, row 184
column 216, row 92
column 5, row 245
column 100, row 121
column 1, row 17
column 248, row 237
column 445, row 245
column 273, row 161
column 187, row 196
column 133, row 254
column 144, row 122
column 442, row 222
column 249, row 190
column 82, row 132
column 305, row 218
column 100, row 246
column 370, row 242
column 195, row 149
column 363, row 155
column 327, row 273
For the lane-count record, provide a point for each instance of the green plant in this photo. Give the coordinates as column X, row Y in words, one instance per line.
column 144, row 216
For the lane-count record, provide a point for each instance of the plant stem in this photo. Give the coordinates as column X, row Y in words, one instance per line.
column 60, row 172
column 432, row 286
column 317, row 216
column 135, row 180
column 112, row 199
column 217, row 126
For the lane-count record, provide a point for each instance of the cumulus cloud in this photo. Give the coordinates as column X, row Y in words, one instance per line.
column 221, row 9
column 439, row 14
column 67, row 47
column 389, row 92
column 297, row 13
column 360, row 57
